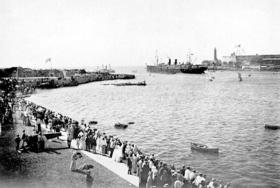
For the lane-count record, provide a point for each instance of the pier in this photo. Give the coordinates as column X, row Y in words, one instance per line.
column 56, row 78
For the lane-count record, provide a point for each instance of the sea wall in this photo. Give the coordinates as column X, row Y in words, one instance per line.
column 54, row 78
column 56, row 82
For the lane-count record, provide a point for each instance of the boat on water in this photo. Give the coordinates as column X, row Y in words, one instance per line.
column 92, row 122
column 273, row 127
column 182, row 67
column 121, row 126
column 203, row 148
column 129, row 84
column 105, row 70
column 176, row 68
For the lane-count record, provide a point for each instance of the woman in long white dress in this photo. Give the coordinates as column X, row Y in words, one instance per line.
column 98, row 144
column 79, row 140
column 115, row 153
column 120, row 153
column 83, row 142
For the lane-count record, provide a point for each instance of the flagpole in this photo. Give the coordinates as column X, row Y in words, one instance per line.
column 49, row 60
column 51, row 67
column 17, row 72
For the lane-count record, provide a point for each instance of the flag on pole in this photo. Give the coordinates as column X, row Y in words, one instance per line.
column 48, row 60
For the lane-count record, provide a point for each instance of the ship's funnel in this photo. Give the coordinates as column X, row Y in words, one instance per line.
column 175, row 62
column 169, row 61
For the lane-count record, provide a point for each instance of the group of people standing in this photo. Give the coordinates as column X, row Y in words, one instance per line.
column 151, row 171
column 7, row 100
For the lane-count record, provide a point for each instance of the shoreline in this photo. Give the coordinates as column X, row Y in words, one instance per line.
column 174, row 172
column 171, row 169
column 49, row 168
column 56, row 78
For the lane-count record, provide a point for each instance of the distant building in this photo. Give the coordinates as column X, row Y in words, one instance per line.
column 212, row 63
column 260, row 62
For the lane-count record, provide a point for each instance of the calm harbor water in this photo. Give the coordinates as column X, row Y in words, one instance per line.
column 174, row 110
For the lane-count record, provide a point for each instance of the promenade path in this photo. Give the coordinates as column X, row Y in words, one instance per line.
column 119, row 169
column 49, row 169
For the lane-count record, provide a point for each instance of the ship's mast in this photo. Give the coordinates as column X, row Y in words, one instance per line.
column 157, row 56
column 189, row 54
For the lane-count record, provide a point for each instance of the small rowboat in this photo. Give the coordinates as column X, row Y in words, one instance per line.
column 203, row 148
column 130, row 123
column 273, row 127
column 121, row 126
column 92, row 122
column 52, row 135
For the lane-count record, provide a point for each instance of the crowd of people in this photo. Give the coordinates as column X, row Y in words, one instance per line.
column 7, row 100
column 151, row 171
column 9, row 89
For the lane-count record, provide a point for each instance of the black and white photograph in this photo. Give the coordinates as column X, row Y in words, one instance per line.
column 139, row 93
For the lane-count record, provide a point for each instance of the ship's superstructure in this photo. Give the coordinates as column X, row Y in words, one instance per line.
column 176, row 67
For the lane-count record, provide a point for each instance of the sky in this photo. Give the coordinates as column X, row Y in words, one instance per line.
column 83, row 33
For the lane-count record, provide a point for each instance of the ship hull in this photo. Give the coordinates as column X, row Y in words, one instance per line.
column 194, row 69
column 163, row 69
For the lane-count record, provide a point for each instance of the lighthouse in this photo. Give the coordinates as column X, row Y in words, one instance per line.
column 215, row 55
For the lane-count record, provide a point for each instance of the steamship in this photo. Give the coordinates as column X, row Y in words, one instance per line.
column 170, row 68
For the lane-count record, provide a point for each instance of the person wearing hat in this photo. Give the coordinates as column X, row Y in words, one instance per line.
column 178, row 183
column 187, row 174
column 69, row 139
column 85, row 169
column 17, row 140
column 144, row 173
column 73, row 166
column 192, row 176
column 198, row 179
column 24, row 138
column 182, row 170
column 211, row 183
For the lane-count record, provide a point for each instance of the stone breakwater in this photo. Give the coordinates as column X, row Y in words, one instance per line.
column 56, row 78
column 55, row 82
column 79, row 79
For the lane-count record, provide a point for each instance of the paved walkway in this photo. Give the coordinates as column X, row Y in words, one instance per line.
column 118, row 168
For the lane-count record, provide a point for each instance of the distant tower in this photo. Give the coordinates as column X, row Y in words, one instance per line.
column 215, row 55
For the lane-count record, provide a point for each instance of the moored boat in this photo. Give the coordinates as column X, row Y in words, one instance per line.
column 273, row 127
column 121, row 126
column 129, row 84
column 92, row 122
column 203, row 148
column 52, row 135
